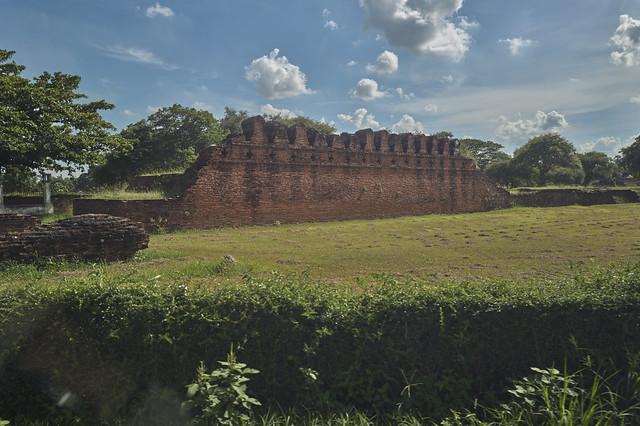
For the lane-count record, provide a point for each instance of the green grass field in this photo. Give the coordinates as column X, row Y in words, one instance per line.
column 518, row 243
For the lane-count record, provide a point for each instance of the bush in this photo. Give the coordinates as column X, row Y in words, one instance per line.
column 94, row 349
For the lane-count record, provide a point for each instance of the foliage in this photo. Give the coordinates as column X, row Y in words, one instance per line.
column 550, row 397
column 630, row 158
column 485, row 153
column 20, row 180
column 44, row 127
column 548, row 158
column 220, row 397
column 232, row 121
column 598, row 168
column 309, row 123
column 120, row 344
column 170, row 138
column 443, row 134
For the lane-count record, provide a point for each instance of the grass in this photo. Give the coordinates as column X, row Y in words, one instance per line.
column 122, row 194
column 165, row 172
column 518, row 243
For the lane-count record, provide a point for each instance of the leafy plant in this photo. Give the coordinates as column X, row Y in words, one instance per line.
column 220, row 397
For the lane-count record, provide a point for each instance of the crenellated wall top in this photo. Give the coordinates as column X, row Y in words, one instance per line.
column 257, row 131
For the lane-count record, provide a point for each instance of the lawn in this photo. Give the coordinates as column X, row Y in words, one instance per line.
column 518, row 243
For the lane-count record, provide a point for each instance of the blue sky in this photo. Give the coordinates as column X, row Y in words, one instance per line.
column 494, row 69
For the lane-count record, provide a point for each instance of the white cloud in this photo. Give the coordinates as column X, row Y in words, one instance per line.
column 202, row 106
column 152, row 109
column 142, row 56
column 276, row 77
column 447, row 79
column 542, row 123
column 129, row 113
column 635, row 99
column 404, row 95
column 386, row 63
column 159, row 10
column 270, row 110
column 466, row 24
column 517, row 44
column 407, row 124
column 367, row 90
column 425, row 26
column 627, row 42
column 330, row 123
column 361, row 119
column 331, row 25
column 352, row 63
column 431, row 108
column 608, row 144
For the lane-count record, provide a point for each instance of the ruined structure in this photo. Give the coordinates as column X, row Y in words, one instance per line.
column 272, row 173
column 16, row 222
column 87, row 237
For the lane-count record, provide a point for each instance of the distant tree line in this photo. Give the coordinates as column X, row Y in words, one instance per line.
column 45, row 127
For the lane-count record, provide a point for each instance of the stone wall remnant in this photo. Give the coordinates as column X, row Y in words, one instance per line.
column 92, row 237
column 16, row 222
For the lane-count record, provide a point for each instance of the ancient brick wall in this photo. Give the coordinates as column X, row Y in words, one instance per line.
column 15, row 222
column 567, row 197
column 274, row 173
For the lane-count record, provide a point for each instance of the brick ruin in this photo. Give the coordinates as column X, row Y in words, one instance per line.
column 271, row 173
column 16, row 222
column 86, row 237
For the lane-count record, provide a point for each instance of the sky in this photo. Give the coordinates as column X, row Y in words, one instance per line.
column 502, row 70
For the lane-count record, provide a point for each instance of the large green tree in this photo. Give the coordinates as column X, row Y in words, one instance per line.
column 168, row 139
column 598, row 168
column 630, row 158
column 309, row 123
column 547, row 159
column 44, row 127
column 485, row 153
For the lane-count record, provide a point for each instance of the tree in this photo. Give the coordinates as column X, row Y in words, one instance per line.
column 485, row 153
column 168, row 139
column 232, row 120
column 630, row 158
column 309, row 123
column 549, row 158
column 598, row 168
column 43, row 126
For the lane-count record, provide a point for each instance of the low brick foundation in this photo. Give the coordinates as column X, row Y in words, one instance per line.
column 567, row 197
column 15, row 222
column 87, row 237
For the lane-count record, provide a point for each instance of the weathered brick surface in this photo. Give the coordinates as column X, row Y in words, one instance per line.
column 567, row 197
column 272, row 173
column 86, row 237
column 15, row 222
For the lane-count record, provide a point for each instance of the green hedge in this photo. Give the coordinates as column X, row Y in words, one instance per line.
column 127, row 349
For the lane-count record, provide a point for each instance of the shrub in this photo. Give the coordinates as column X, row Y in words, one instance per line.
column 125, row 349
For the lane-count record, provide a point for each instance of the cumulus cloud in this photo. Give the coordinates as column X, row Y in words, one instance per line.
column 543, row 122
column 466, row 24
column 352, row 63
column 367, row 90
column 276, row 77
column 635, row 99
column 627, row 42
column 361, row 119
column 517, row 44
column 387, row 63
column 407, row 124
column 424, row 26
column 331, row 25
column 404, row 95
column 270, row 110
column 133, row 54
column 609, row 145
column 159, row 10
column 431, row 108
column 129, row 113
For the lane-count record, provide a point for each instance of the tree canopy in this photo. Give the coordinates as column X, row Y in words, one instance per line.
column 630, row 158
column 598, row 168
column 168, row 139
column 309, row 123
column 485, row 153
column 44, row 127
column 549, row 158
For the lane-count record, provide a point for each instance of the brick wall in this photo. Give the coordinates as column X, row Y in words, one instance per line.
column 14, row 222
column 274, row 173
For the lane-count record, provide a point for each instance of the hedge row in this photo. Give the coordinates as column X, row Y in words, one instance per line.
column 107, row 350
